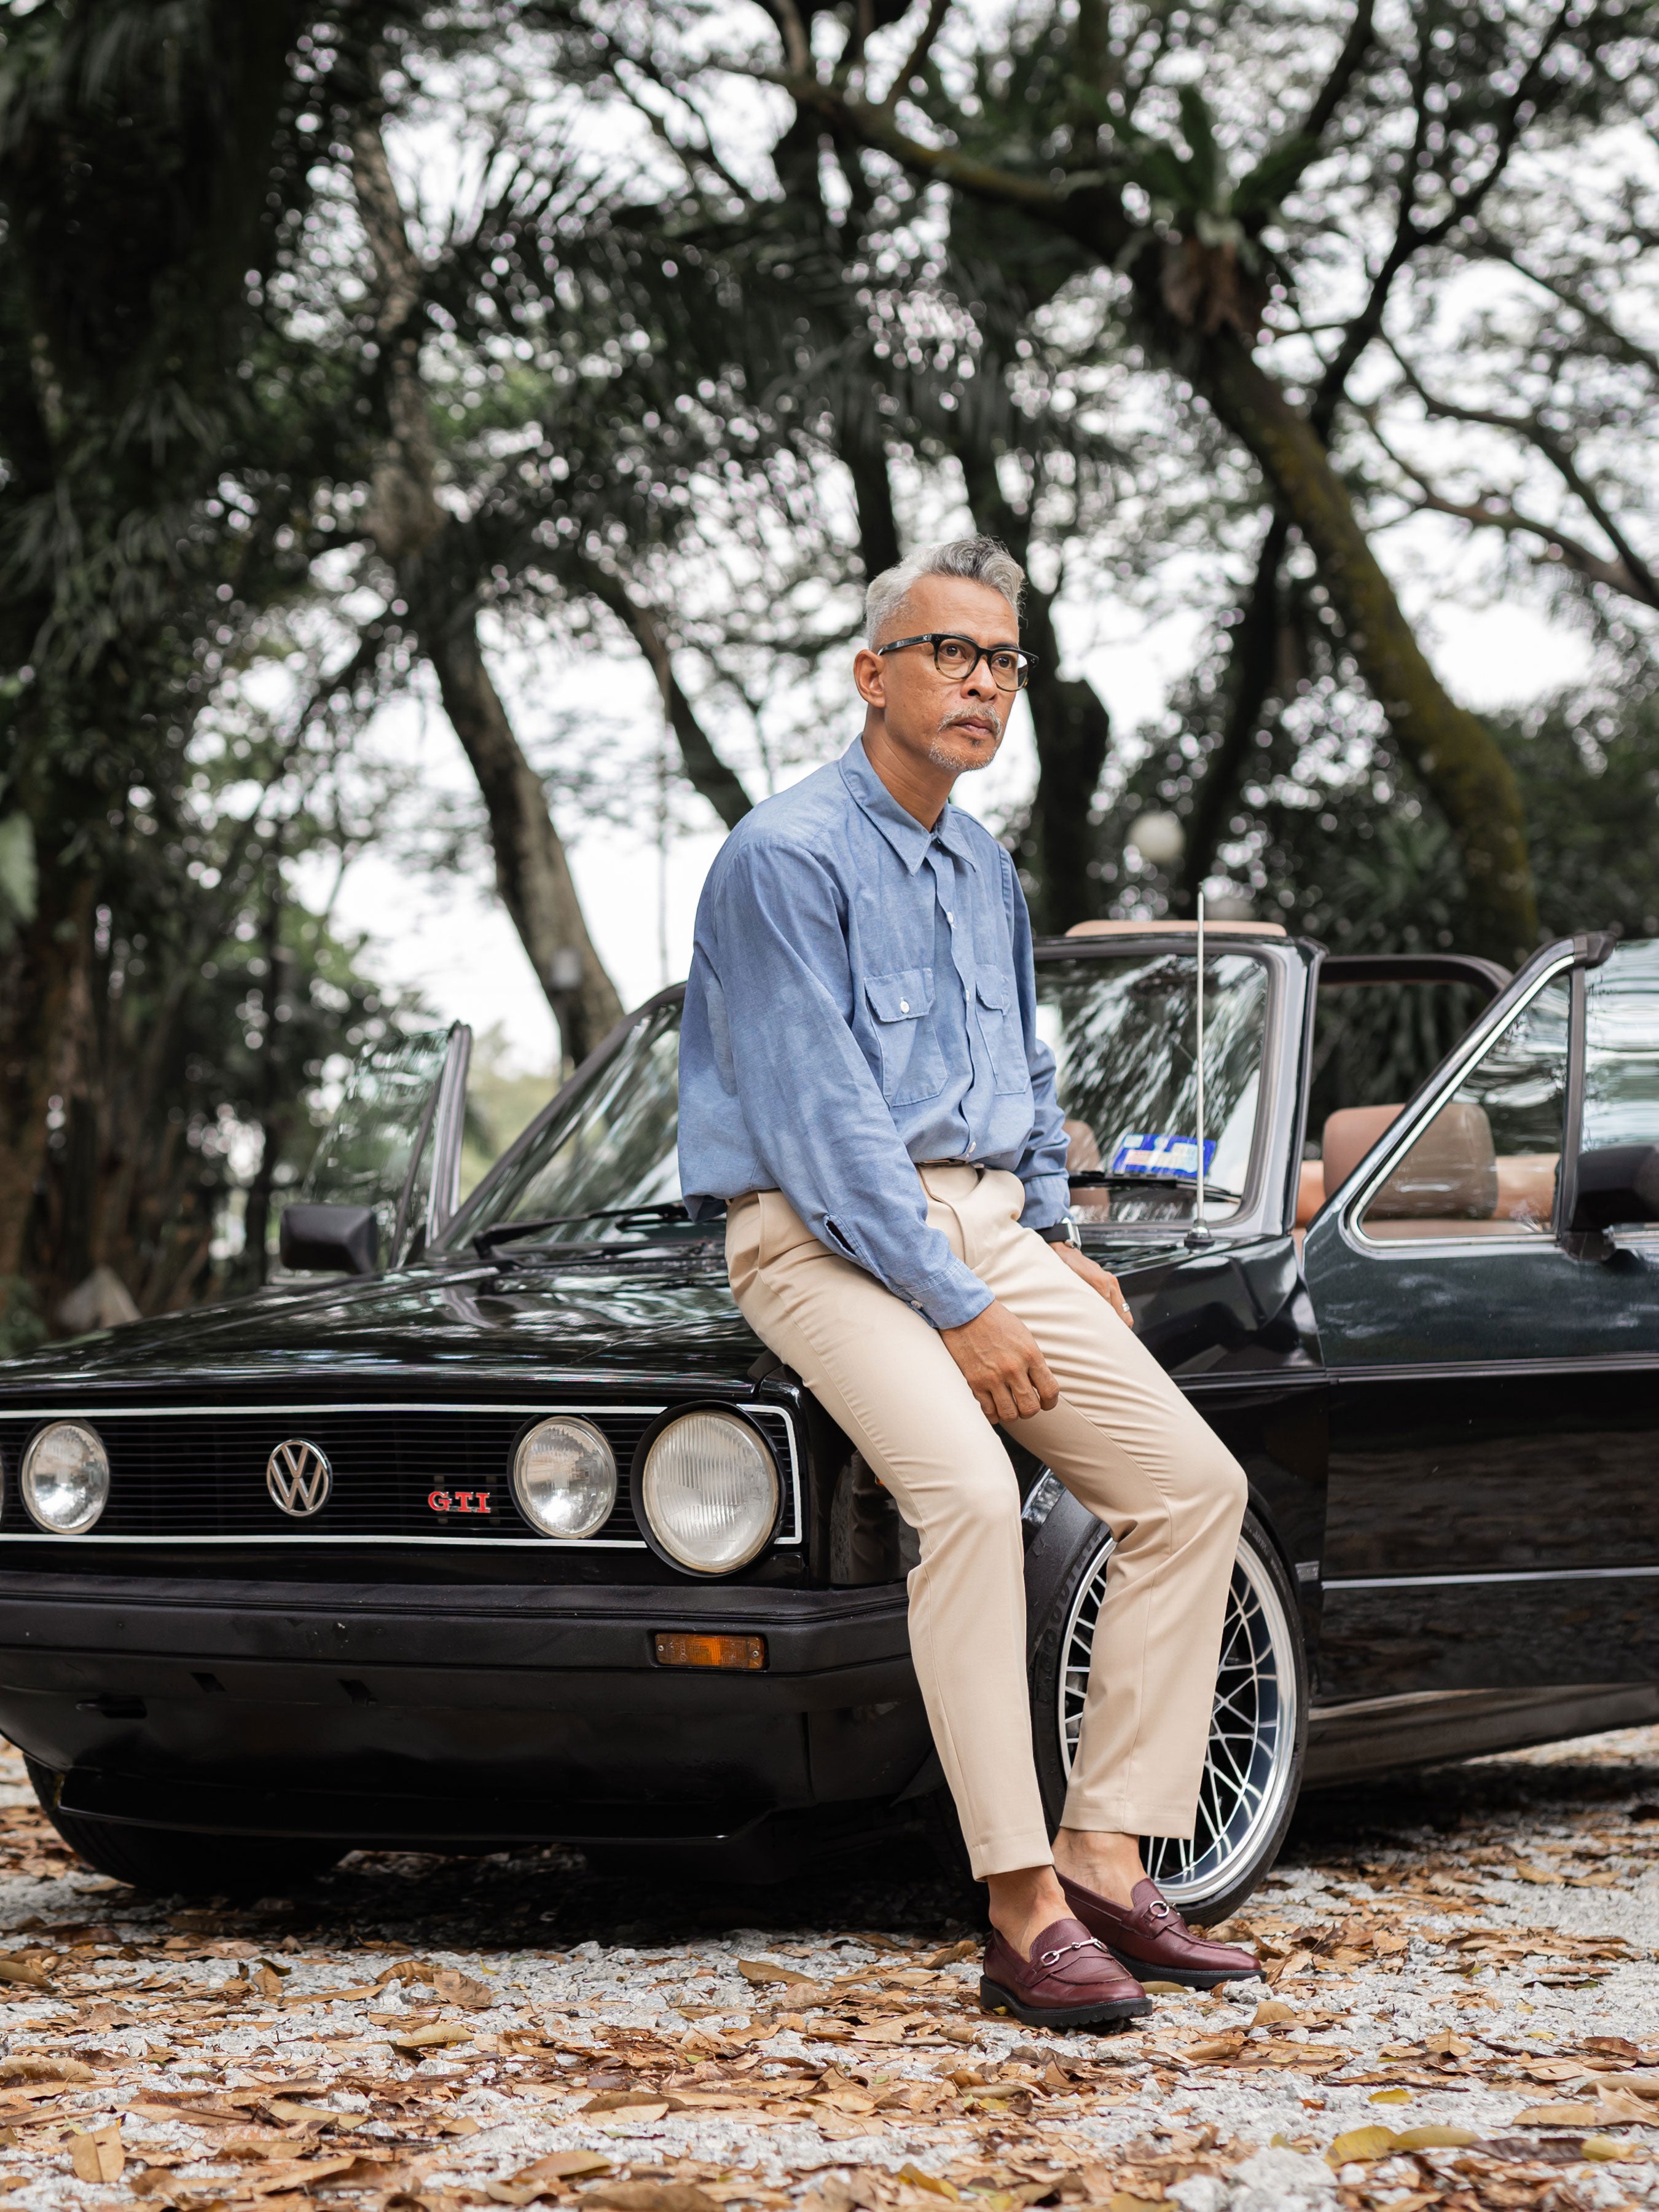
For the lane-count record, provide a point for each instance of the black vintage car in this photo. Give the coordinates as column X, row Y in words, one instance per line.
column 508, row 1530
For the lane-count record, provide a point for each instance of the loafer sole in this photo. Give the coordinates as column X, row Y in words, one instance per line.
column 995, row 1998
column 1190, row 1977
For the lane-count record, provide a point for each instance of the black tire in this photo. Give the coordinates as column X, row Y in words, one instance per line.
column 1258, row 1733
column 178, row 1863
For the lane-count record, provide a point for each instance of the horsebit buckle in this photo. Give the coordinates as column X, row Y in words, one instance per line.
column 1054, row 1958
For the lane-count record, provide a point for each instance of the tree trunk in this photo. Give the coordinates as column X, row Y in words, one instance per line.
column 1254, row 661
column 531, row 872
column 1069, row 724
column 413, row 534
column 1452, row 750
column 38, row 976
column 1074, row 732
column 707, row 773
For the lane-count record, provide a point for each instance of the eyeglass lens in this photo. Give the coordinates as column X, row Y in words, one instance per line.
column 954, row 656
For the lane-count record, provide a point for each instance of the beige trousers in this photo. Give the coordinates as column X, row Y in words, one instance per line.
column 1124, row 1442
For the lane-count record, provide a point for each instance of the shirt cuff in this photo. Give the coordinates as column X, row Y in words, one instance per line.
column 952, row 1298
column 1047, row 1200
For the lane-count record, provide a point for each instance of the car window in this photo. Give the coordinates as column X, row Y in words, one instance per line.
column 1486, row 1165
column 611, row 1145
column 1124, row 1033
column 378, row 1150
column 1621, row 1049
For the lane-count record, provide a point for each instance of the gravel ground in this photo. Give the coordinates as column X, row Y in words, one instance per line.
column 1460, row 2011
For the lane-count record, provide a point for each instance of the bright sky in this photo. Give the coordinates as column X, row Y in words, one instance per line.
column 450, row 937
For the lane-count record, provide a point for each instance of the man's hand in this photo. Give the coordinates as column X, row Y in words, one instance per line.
column 1004, row 1365
column 1098, row 1279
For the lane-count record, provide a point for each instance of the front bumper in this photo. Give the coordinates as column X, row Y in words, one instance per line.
column 409, row 1717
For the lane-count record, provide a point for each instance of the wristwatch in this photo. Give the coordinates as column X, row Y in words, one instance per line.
column 1063, row 1232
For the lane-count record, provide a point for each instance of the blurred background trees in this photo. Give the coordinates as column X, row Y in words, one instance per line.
column 351, row 355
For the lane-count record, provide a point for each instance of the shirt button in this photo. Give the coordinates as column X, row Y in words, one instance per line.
column 904, row 1006
column 950, row 917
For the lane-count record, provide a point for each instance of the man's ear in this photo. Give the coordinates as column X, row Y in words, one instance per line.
column 870, row 675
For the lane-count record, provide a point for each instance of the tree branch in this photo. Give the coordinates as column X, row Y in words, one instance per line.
column 1489, row 512
column 917, row 59
column 710, row 775
column 1561, row 456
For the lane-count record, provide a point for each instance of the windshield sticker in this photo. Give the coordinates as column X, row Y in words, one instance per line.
column 1160, row 1155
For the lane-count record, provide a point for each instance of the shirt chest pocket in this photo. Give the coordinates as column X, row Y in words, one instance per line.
column 911, row 1059
column 1000, row 1026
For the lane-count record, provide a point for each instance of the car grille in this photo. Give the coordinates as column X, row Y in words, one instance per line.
column 198, row 1474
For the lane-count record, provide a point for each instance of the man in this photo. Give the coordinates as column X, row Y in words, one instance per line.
column 861, row 1081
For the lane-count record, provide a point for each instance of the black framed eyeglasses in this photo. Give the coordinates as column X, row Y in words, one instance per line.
column 959, row 657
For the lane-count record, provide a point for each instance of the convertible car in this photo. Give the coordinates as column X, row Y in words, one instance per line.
column 491, row 1524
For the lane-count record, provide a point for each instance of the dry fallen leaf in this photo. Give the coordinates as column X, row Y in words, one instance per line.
column 566, row 2166
column 429, row 2038
column 763, row 1971
column 1223, row 2046
column 641, row 2107
column 45, row 2069
column 454, row 1988
column 97, row 2155
column 1359, row 2145
column 651, row 2197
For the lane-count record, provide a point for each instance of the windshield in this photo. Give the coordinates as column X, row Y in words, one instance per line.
column 603, row 1167
column 1123, row 1031
column 610, row 1147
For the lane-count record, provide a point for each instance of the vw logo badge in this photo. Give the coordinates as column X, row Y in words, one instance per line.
column 299, row 1477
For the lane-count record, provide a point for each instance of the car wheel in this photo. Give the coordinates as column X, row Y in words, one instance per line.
column 178, row 1863
column 1258, row 1730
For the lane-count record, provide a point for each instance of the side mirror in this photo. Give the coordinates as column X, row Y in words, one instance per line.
column 1617, row 1184
column 341, row 1239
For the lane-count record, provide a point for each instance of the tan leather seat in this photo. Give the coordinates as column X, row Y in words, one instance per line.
column 1348, row 1136
column 1450, row 1173
column 1450, row 1183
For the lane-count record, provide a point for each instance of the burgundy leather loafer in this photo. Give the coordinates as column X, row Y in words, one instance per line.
column 1070, row 1980
column 1153, row 1941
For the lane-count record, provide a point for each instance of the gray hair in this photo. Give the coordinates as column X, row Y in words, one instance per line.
column 974, row 560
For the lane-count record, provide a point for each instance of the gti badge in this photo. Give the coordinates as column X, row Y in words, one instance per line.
column 299, row 1477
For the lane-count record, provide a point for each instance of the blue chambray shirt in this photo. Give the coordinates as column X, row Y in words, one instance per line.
column 861, row 998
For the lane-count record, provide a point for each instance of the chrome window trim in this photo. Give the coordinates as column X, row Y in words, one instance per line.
column 397, row 1406
column 1492, row 1575
column 1403, row 1135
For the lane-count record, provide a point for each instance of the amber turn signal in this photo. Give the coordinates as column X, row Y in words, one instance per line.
column 746, row 1653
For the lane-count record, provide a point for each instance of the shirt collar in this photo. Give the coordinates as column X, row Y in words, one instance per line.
column 908, row 838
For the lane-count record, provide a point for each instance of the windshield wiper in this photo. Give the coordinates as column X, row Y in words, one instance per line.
column 504, row 1231
column 1101, row 1179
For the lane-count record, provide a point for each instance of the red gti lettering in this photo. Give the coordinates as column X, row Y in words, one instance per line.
column 439, row 1501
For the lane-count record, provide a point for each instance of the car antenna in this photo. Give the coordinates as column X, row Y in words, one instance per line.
column 1198, row 1233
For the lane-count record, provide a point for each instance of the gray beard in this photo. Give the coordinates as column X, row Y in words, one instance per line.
column 940, row 759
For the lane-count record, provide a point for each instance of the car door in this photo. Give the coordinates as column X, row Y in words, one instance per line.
column 394, row 1143
column 1493, row 1515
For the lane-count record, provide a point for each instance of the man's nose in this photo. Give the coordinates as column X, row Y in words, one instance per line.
column 979, row 681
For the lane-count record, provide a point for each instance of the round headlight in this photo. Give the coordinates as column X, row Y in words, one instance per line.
column 65, row 1482
column 564, row 1477
column 708, row 1490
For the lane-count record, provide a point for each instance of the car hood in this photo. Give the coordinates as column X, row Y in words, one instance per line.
column 666, row 1319
column 652, row 1318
